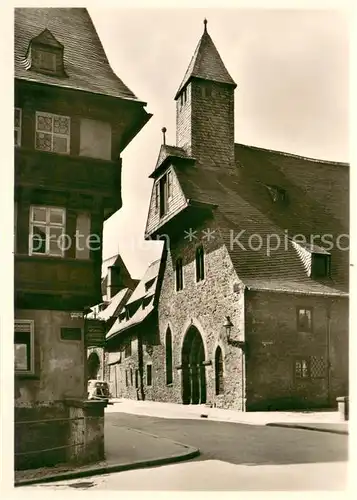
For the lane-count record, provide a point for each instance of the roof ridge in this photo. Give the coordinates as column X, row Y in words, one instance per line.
column 292, row 155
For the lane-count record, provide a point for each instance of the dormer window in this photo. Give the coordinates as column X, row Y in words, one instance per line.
column 46, row 60
column 165, row 192
column 315, row 259
column 277, row 193
column 320, row 265
column 45, row 55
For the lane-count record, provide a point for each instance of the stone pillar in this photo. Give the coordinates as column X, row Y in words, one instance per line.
column 86, row 437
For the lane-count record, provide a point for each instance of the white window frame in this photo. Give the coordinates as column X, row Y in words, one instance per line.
column 47, row 226
column 170, row 178
column 18, row 129
column 63, row 136
column 31, row 333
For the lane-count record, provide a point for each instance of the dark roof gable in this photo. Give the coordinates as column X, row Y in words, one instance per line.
column 85, row 61
column 46, row 38
column 169, row 152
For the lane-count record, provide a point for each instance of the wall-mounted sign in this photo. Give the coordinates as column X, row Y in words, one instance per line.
column 95, row 332
column 71, row 334
column 76, row 315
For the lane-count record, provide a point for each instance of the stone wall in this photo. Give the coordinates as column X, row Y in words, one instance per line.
column 205, row 305
column 275, row 343
column 59, row 364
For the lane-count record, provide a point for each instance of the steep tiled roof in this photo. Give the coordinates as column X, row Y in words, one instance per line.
column 244, row 204
column 141, row 293
column 113, row 307
column 283, row 286
column 137, row 318
column 85, row 62
column 150, row 278
column 207, row 64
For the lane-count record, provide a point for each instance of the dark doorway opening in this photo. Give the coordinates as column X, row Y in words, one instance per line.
column 93, row 365
column 193, row 368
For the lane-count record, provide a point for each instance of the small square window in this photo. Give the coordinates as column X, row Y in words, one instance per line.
column 46, row 60
column 304, row 320
column 52, row 133
column 302, row 368
column 320, row 265
column 24, row 346
column 47, row 229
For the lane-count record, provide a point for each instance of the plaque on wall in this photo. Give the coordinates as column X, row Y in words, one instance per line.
column 95, row 332
column 71, row 334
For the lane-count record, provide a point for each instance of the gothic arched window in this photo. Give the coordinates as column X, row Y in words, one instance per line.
column 168, row 346
column 218, row 363
column 200, row 264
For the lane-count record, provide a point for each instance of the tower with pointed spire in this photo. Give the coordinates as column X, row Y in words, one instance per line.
column 205, row 107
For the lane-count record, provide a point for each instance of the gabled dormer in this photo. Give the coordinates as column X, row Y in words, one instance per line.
column 167, row 198
column 315, row 259
column 45, row 55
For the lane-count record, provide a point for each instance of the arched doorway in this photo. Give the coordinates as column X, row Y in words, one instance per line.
column 193, row 369
column 93, row 364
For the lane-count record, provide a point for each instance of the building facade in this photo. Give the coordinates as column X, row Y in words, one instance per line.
column 130, row 341
column 252, row 308
column 73, row 118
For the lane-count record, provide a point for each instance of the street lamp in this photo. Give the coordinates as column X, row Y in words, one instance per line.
column 228, row 325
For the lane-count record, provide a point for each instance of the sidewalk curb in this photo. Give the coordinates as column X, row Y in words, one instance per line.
column 307, row 428
column 191, row 453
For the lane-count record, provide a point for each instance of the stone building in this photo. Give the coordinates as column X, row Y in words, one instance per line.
column 129, row 342
column 252, row 307
column 73, row 119
column 117, row 287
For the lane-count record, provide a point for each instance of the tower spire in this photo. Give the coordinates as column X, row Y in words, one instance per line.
column 206, row 64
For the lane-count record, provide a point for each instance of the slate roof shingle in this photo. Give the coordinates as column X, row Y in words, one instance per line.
column 138, row 296
column 85, row 61
column 245, row 204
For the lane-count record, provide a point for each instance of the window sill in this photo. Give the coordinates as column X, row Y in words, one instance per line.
column 33, row 376
column 170, row 385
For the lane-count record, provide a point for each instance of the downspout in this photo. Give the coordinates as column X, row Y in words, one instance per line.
column 141, row 366
column 328, row 354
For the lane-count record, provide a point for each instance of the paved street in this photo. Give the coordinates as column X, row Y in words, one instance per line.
column 233, row 457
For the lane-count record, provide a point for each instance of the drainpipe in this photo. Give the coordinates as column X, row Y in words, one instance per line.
column 328, row 343
column 141, row 366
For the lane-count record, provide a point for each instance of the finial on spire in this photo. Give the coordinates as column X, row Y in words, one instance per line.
column 205, row 23
column 163, row 130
